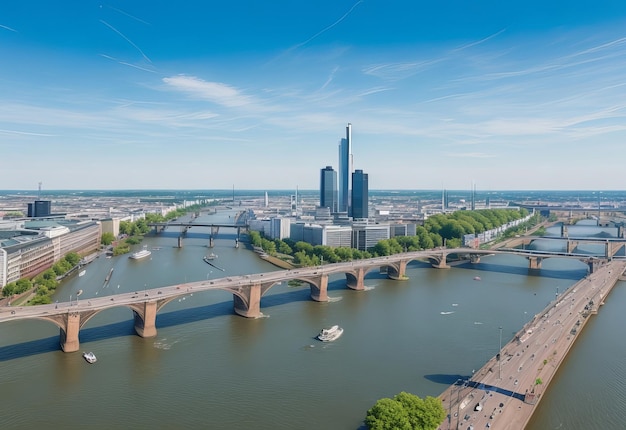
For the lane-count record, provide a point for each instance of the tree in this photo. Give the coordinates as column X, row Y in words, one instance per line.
column 406, row 411
column 387, row 414
column 107, row 238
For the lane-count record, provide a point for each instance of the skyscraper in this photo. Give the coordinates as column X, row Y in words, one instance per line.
column 328, row 188
column 359, row 195
column 345, row 169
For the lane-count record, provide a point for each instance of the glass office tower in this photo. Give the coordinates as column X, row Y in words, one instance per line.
column 328, row 189
column 345, row 170
column 359, row 195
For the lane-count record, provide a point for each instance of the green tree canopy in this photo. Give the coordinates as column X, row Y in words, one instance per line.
column 406, row 411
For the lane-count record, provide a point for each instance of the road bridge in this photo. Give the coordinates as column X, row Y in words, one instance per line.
column 504, row 393
column 247, row 290
column 612, row 245
column 159, row 227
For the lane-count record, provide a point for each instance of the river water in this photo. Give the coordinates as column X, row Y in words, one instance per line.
column 208, row 368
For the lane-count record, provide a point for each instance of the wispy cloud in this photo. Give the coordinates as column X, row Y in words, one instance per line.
column 216, row 92
column 397, row 71
column 470, row 155
column 23, row 133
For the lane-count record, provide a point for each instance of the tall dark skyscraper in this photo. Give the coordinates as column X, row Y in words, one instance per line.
column 328, row 189
column 359, row 195
column 40, row 208
column 345, row 170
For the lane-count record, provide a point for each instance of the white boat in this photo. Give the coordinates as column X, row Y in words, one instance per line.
column 141, row 254
column 82, row 273
column 330, row 334
column 210, row 256
column 90, row 357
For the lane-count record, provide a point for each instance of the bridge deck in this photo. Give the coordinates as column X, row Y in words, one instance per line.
column 537, row 352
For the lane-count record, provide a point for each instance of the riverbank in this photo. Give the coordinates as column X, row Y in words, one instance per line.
column 277, row 262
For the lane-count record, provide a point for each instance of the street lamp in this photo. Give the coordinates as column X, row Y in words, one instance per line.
column 499, row 357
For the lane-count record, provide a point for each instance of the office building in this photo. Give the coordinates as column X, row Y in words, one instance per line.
column 366, row 236
column 345, row 170
column 328, row 189
column 359, row 206
column 41, row 208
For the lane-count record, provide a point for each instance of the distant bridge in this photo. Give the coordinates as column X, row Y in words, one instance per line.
column 247, row 290
column 215, row 227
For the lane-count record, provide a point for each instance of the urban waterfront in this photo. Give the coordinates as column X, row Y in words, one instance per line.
column 210, row 368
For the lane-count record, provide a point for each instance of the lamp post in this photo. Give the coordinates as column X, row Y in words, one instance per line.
column 499, row 356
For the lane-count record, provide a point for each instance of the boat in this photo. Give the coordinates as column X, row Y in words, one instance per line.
column 141, row 254
column 90, row 357
column 82, row 273
column 210, row 256
column 330, row 334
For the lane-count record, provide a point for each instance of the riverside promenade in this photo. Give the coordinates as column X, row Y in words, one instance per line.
column 504, row 393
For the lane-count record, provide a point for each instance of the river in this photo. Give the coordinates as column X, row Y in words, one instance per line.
column 208, row 368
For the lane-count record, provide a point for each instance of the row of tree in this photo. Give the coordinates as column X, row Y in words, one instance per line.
column 45, row 283
column 437, row 230
column 132, row 232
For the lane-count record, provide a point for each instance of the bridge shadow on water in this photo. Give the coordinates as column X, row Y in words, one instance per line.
column 164, row 320
column 464, row 380
column 524, row 271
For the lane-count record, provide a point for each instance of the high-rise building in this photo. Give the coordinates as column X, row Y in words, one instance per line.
column 328, row 189
column 41, row 208
column 345, row 170
column 360, row 196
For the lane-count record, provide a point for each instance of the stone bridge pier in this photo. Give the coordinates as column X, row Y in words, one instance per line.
column 68, row 336
column 145, row 318
column 355, row 280
column 397, row 272
column 534, row 263
column 247, row 299
column 319, row 289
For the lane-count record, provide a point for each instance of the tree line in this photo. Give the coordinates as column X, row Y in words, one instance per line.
column 437, row 230
column 45, row 283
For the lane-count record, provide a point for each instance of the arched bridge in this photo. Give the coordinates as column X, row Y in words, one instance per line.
column 247, row 290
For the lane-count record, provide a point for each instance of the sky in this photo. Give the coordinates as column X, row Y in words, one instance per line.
column 206, row 94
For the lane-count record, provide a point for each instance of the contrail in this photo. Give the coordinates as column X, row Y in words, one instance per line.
column 127, row 14
column 7, row 28
column 126, row 38
column 124, row 63
column 329, row 27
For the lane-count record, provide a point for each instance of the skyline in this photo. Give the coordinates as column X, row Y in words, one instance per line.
column 153, row 95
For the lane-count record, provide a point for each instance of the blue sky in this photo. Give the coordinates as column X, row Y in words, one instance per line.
column 257, row 94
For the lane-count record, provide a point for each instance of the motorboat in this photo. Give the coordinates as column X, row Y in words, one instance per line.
column 330, row 334
column 90, row 357
column 210, row 256
column 141, row 254
column 82, row 273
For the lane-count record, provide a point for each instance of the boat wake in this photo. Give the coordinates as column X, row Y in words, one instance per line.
column 446, row 313
column 477, row 323
column 162, row 344
column 334, row 299
column 366, row 288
